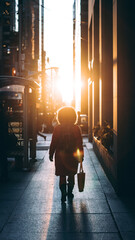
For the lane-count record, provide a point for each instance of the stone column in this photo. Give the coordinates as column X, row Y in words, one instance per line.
column 90, row 110
column 96, row 62
column 90, row 55
column 105, row 61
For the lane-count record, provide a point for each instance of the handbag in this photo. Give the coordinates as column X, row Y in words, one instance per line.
column 81, row 178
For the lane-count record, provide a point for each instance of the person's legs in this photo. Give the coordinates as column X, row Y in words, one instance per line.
column 62, row 186
column 62, row 180
column 71, row 183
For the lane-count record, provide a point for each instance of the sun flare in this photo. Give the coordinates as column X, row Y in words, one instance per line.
column 65, row 88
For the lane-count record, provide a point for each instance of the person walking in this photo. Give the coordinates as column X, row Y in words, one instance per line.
column 67, row 146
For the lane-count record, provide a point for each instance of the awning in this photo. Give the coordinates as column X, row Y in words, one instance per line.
column 12, row 80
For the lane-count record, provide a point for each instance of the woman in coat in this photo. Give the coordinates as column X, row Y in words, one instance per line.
column 67, row 146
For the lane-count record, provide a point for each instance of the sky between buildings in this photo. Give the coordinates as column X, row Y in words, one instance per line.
column 59, row 39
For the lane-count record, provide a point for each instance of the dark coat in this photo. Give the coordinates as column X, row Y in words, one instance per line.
column 66, row 162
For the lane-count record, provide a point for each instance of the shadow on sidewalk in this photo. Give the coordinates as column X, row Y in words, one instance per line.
column 70, row 223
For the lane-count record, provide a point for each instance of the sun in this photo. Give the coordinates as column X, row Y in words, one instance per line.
column 65, row 88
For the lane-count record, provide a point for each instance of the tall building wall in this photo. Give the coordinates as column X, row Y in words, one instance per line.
column 80, row 54
column 8, row 37
column 111, row 31
column 19, row 50
column 84, row 56
column 124, row 94
column 29, row 36
column 74, row 20
column 78, row 57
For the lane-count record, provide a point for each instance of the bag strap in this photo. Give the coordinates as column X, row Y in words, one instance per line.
column 81, row 167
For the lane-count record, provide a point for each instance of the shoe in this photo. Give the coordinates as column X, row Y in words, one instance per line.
column 63, row 198
column 70, row 194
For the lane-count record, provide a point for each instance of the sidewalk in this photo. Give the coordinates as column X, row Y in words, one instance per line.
column 30, row 206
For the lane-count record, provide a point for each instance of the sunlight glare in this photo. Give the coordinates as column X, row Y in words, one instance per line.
column 59, row 43
column 59, row 31
column 65, row 88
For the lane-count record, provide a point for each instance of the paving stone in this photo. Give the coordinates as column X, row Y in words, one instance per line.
column 118, row 206
column 6, row 207
column 111, row 195
column 125, row 222
column 107, row 188
column 83, row 236
column 95, row 194
column 128, row 235
column 60, row 236
column 40, row 154
column 3, row 220
column 54, row 206
column 31, row 209
column 14, row 185
column 98, row 206
column 12, row 194
column 61, row 223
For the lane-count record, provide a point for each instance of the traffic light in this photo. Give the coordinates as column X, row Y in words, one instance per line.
column 13, row 71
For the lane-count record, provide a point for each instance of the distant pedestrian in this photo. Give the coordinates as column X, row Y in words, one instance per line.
column 54, row 121
column 67, row 145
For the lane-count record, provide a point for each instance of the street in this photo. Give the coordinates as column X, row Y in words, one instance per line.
column 31, row 209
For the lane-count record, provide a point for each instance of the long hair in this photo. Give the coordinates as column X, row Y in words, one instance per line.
column 67, row 115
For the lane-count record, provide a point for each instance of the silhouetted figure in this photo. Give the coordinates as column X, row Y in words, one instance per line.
column 3, row 143
column 67, row 145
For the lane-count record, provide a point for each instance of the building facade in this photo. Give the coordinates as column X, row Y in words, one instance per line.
column 84, row 56
column 19, row 38
column 28, row 37
column 8, row 37
column 80, row 54
column 77, row 54
column 111, row 85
